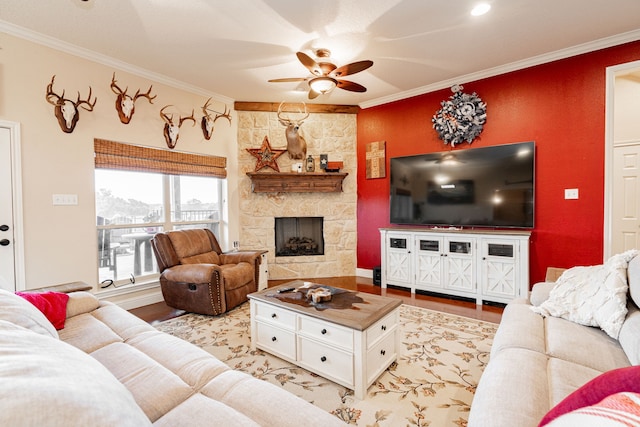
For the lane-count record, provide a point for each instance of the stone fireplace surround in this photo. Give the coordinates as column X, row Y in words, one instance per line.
column 325, row 133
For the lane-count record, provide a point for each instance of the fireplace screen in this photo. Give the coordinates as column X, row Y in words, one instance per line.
column 299, row 236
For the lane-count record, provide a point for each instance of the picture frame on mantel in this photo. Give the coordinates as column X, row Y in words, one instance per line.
column 376, row 160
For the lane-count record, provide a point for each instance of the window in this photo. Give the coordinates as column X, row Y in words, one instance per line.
column 132, row 206
column 141, row 191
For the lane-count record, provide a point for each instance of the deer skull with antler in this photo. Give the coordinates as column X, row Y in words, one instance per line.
column 126, row 104
column 207, row 121
column 296, row 145
column 66, row 110
column 171, row 129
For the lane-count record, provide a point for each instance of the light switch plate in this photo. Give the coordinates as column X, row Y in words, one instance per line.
column 570, row 193
column 65, row 199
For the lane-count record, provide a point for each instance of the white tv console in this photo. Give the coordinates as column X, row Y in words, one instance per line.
column 485, row 265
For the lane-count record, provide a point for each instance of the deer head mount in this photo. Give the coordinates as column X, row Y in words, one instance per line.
column 171, row 129
column 126, row 104
column 207, row 121
column 296, row 145
column 66, row 110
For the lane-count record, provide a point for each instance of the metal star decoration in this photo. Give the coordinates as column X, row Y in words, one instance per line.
column 266, row 155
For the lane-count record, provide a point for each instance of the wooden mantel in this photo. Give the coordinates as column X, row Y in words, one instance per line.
column 293, row 182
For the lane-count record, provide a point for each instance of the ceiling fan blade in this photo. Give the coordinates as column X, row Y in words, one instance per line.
column 308, row 62
column 354, row 67
column 351, row 86
column 313, row 94
column 288, row 79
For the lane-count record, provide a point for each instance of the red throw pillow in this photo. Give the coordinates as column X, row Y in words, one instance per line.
column 608, row 383
column 52, row 304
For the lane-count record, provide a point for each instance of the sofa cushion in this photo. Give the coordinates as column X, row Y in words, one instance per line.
column 80, row 303
column 592, row 296
column 629, row 337
column 608, row 383
column 52, row 304
column 21, row 312
column 46, row 382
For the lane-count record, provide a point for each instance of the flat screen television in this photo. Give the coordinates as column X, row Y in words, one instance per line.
column 476, row 187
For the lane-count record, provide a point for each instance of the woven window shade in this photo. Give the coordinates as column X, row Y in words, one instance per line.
column 115, row 155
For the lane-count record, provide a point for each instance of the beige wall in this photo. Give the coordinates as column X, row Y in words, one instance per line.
column 332, row 134
column 60, row 241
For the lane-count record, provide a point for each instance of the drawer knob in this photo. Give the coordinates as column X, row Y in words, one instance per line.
column 273, row 338
column 382, row 352
column 384, row 327
column 323, row 331
column 273, row 316
column 323, row 359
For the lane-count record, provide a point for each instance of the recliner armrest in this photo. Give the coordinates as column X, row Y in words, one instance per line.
column 191, row 273
column 243, row 256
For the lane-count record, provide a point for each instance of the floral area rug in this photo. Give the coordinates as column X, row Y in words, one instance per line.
column 431, row 384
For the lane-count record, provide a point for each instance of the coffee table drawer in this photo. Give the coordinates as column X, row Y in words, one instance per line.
column 328, row 362
column 326, row 332
column 381, row 328
column 380, row 356
column 276, row 340
column 275, row 315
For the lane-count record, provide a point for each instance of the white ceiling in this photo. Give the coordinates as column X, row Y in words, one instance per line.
column 231, row 48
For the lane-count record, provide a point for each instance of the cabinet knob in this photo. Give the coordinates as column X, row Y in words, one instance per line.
column 273, row 316
column 382, row 352
column 384, row 327
column 323, row 359
column 324, row 331
column 273, row 339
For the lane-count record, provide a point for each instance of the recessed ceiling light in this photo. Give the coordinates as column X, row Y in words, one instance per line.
column 480, row 9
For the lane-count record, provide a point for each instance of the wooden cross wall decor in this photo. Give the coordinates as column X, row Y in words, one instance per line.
column 376, row 160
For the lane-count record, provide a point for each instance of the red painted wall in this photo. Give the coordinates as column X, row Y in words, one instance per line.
column 560, row 106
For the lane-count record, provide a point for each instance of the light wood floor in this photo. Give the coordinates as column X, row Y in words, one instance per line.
column 160, row 311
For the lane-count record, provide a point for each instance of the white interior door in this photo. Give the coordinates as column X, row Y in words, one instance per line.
column 625, row 208
column 7, row 237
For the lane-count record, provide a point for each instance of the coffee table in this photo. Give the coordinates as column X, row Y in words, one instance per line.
column 349, row 340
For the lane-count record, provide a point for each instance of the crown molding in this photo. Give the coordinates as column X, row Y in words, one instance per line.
column 507, row 68
column 44, row 40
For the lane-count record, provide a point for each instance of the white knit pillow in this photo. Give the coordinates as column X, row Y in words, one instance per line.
column 21, row 312
column 592, row 296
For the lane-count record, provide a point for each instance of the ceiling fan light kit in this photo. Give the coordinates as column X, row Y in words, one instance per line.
column 325, row 76
column 322, row 85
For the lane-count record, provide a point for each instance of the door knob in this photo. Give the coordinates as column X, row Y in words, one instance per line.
column 5, row 242
column 4, row 227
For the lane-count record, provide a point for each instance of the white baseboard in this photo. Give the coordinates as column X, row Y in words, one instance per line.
column 363, row 272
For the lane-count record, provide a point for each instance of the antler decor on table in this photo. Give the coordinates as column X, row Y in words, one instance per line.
column 66, row 110
column 171, row 129
column 207, row 121
column 126, row 104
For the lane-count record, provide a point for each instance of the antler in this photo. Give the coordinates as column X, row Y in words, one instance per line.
column 205, row 110
column 287, row 119
column 147, row 95
column 226, row 115
column 165, row 117
column 51, row 94
column 193, row 119
column 114, row 87
column 80, row 103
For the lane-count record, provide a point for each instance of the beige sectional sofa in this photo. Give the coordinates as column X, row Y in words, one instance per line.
column 106, row 367
column 537, row 361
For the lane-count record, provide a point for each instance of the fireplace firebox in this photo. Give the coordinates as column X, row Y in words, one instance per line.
column 299, row 236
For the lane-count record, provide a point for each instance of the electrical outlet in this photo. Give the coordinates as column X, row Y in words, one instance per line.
column 570, row 193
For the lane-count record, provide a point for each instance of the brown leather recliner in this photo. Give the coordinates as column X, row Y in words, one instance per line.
column 196, row 276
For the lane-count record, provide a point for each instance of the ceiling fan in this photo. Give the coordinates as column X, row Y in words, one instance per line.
column 326, row 75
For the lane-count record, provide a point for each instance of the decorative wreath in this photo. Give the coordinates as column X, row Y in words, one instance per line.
column 461, row 118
